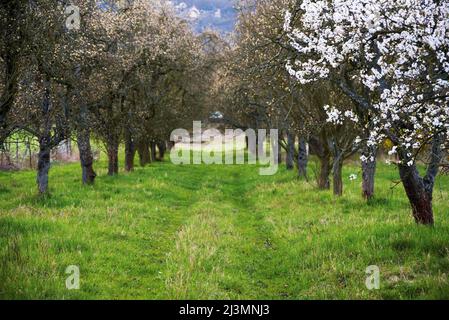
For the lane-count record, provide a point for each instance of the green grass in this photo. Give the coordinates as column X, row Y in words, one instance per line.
column 216, row 232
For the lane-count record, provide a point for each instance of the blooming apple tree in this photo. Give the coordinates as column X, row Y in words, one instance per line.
column 391, row 58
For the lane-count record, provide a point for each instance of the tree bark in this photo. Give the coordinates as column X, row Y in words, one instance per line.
column 45, row 141
column 323, row 175
column 162, row 148
column 303, row 158
column 319, row 146
column 143, row 149
column 369, row 172
column 130, row 152
column 420, row 199
column 279, row 147
column 337, row 175
column 112, row 150
column 43, row 164
column 290, row 151
column 420, row 190
column 86, row 157
column 153, row 151
column 88, row 174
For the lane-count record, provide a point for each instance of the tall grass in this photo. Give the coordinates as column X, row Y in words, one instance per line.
column 216, row 232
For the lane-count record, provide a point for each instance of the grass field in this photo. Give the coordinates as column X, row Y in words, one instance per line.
column 216, row 232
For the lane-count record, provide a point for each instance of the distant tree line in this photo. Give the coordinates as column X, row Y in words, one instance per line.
column 120, row 71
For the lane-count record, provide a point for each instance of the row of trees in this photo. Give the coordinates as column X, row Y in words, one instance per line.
column 258, row 92
column 392, row 61
column 338, row 77
column 346, row 77
column 121, row 71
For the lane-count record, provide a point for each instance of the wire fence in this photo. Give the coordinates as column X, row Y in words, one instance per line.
column 22, row 153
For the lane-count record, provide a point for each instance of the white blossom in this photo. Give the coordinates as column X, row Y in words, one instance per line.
column 394, row 40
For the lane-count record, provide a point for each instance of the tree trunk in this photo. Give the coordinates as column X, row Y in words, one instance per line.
column 143, row 149
column 279, row 147
column 43, row 165
column 369, row 172
column 324, row 172
column 153, row 151
column 303, row 158
column 130, row 152
column 323, row 177
column 84, row 125
column 420, row 199
column 290, row 151
column 162, row 148
column 337, row 176
column 86, row 157
column 420, row 190
column 112, row 149
column 45, row 141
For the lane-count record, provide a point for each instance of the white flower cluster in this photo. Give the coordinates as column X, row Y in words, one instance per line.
column 364, row 158
column 401, row 52
column 335, row 116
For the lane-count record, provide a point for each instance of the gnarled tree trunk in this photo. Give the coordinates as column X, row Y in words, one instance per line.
column 420, row 190
column 420, row 199
column 86, row 157
column 45, row 140
column 83, row 141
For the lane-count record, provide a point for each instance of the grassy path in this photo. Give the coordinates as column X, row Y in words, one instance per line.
column 203, row 232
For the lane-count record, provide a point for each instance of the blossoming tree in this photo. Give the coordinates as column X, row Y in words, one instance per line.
column 391, row 58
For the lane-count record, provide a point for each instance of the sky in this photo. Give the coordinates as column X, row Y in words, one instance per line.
column 218, row 14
